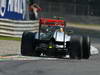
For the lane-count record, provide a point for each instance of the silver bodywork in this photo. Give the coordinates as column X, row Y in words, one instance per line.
column 59, row 36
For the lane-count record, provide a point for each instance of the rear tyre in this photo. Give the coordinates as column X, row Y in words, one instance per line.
column 86, row 47
column 75, row 51
column 28, row 44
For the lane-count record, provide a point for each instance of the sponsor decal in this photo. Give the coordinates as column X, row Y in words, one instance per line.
column 13, row 9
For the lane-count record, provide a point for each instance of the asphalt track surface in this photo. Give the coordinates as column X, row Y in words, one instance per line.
column 56, row 66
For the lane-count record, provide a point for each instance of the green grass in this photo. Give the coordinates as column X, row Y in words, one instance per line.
column 9, row 38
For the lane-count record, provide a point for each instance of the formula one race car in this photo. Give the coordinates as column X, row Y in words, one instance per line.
column 54, row 41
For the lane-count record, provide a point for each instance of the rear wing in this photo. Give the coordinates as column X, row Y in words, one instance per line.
column 51, row 22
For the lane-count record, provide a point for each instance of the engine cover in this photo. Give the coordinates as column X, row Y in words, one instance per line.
column 59, row 36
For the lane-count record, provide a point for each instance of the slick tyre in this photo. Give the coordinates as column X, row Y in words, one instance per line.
column 86, row 47
column 75, row 51
column 28, row 44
